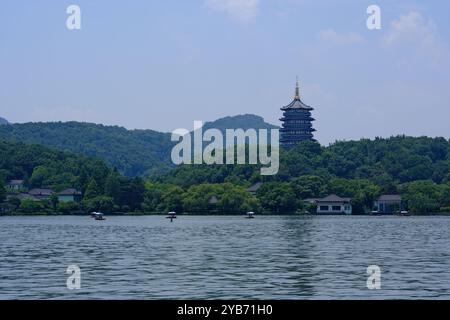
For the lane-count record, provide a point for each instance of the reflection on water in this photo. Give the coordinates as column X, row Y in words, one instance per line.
column 224, row 257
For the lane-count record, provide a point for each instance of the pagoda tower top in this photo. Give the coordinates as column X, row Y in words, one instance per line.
column 297, row 90
column 297, row 103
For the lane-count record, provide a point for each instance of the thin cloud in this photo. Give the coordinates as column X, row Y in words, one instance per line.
column 241, row 10
column 333, row 37
column 419, row 37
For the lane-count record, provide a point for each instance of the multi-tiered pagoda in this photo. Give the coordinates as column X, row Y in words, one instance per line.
column 297, row 122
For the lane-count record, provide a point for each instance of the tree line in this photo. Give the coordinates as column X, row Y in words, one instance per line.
column 416, row 168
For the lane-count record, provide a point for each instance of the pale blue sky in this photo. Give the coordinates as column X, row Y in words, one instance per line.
column 163, row 64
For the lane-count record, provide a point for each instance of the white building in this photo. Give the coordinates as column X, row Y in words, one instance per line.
column 334, row 204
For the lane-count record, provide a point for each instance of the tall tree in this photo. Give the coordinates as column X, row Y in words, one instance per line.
column 92, row 190
column 2, row 192
column 112, row 186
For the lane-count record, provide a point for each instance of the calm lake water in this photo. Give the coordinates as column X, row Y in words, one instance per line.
column 224, row 257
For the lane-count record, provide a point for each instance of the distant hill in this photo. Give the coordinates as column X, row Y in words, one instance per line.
column 132, row 152
column 245, row 122
column 3, row 121
column 41, row 166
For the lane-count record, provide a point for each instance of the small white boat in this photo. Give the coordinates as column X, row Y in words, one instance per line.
column 97, row 216
column 172, row 215
column 250, row 215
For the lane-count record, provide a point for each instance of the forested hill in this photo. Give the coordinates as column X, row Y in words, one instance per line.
column 40, row 167
column 132, row 152
column 385, row 162
column 3, row 121
column 245, row 121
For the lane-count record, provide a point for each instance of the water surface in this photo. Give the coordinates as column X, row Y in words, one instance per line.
column 225, row 257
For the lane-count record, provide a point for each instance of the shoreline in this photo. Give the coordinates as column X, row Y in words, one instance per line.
column 443, row 214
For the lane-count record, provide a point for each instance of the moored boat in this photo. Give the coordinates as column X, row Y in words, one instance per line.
column 172, row 215
column 250, row 215
column 98, row 216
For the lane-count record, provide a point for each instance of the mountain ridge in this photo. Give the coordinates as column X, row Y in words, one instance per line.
column 135, row 152
column 3, row 121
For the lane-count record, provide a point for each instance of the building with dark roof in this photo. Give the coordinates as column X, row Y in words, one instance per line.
column 69, row 195
column 389, row 203
column 334, row 204
column 41, row 193
column 255, row 187
column 14, row 185
column 296, row 122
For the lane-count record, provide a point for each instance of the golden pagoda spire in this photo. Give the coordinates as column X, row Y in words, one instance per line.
column 297, row 90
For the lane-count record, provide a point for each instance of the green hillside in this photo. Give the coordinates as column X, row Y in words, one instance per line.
column 132, row 152
column 40, row 167
column 417, row 168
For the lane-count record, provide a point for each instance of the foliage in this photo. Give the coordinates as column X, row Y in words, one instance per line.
column 426, row 196
column 100, row 203
column 68, row 207
column 133, row 152
column 278, row 197
column 2, row 192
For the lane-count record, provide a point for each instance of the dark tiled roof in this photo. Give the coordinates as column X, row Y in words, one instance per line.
column 15, row 182
column 390, row 197
column 22, row 196
column 334, row 198
column 213, row 200
column 70, row 192
column 297, row 104
column 40, row 192
column 311, row 200
column 255, row 187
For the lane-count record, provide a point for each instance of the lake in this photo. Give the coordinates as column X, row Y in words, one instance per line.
column 225, row 257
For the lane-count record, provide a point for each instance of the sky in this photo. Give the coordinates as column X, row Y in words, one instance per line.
column 163, row 64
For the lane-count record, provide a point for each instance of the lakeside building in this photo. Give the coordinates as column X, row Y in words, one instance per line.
column 296, row 122
column 254, row 188
column 69, row 195
column 388, row 204
column 14, row 185
column 38, row 194
column 332, row 204
column 41, row 193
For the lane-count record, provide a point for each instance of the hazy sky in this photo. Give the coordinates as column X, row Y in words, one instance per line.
column 163, row 64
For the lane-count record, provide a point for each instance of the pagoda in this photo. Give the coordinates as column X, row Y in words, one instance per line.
column 297, row 122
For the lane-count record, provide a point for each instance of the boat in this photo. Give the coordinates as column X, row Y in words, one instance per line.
column 97, row 216
column 250, row 215
column 172, row 215
column 405, row 213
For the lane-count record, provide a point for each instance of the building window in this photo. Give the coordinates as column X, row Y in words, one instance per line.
column 323, row 208
column 336, row 208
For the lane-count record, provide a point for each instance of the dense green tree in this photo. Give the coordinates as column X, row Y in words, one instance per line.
column 308, row 186
column 92, row 190
column 172, row 199
column 132, row 193
column 112, row 186
column 100, row 203
column 54, row 201
column 278, row 197
column 31, row 206
column 2, row 192
column 68, row 207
